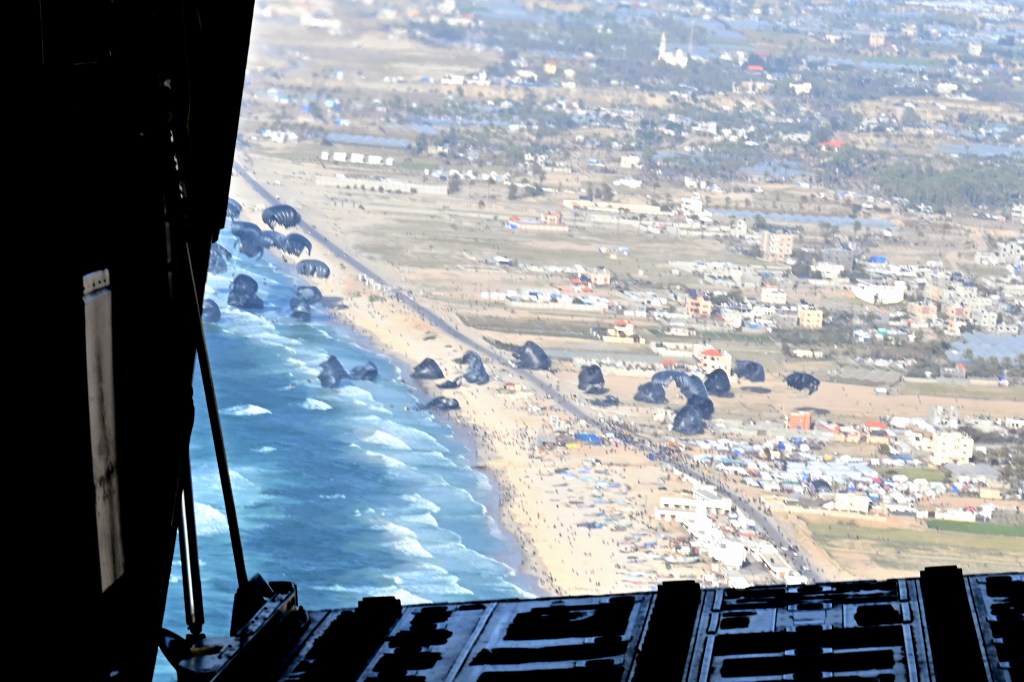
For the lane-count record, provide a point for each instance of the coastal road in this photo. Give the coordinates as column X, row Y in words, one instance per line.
column 427, row 314
column 771, row 529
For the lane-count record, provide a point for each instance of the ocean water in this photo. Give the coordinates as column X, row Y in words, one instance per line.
column 347, row 492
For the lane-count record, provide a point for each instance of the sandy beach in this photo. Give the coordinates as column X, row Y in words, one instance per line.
column 585, row 516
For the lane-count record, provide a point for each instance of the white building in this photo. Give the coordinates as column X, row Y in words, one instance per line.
column 952, row 447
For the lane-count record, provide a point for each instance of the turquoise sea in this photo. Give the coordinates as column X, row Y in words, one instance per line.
column 347, row 492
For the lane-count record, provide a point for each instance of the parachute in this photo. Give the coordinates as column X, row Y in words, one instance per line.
column 249, row 237
column 650, row 393
column 332, row 373
column 476, row 374
column 532, row 356
column 272, row 240
column 803, row 381
column 442, row 403
column 310, row 294
column 295, row 244
column 591, row 379
column 242, row 229
column 211, row 311
column 314, row 268
column 691, row 386
column 219, row 257
column 300, row 309
column 428, row 369
column 665, row 376
column 749, row 370
column 242, row 293
column 688, row 421
column 234, row 209
column 717, row 383
column 365, row 372
column 704, row 406
column 282, row 215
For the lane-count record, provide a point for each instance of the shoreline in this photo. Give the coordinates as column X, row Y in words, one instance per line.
column 583, row 516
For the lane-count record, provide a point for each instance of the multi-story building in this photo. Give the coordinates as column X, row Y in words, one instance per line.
column 952, row 447
column 777, row 245
column 809, row 317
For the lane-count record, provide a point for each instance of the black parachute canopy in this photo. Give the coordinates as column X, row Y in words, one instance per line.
column 704, row 406
column 242, row 229
column 650, row 393
column 219, row 257
column 272, row 240
column 234, row 209
column 475, row 373
column 211, row 311
column 532, row 356
column 802, row 381
column 282, row 214
column 295, row 244
column 364, row 372
column 691, row 386
column 442, row 403
column 310, row 294
column 242, row 293
column 749, row 370
column 332, row 373
column 300, row 309
column 717, row 383
column 314, row 268
column 591, row 379
column 428, row 369
column 688, row 421
column 666, row 376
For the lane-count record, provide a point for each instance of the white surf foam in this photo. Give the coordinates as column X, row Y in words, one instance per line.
column 315, row 405
column 245, row 410
column 421, row 502
column 386, row 439
column 389, row 462
column 210, row 521
column 405, row 540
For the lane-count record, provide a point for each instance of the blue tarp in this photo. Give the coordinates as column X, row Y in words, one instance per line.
column 591, row 438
